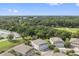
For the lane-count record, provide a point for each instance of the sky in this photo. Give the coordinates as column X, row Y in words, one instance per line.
column 55, row 9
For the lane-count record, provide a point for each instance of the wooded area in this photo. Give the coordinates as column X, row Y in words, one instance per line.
column 40, row 26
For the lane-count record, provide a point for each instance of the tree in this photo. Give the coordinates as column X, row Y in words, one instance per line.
column 67, row 43
column 10, row 37
column 27, row 38
column 42, row 27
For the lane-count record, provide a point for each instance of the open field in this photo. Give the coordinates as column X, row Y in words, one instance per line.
column 73, row 30
column 5, row 45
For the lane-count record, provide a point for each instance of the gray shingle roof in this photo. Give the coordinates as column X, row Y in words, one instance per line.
column 22, row 48
column 74, row 40
column 55, row 39
column 39, row 41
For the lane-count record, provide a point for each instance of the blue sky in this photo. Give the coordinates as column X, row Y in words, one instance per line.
column 70, row 9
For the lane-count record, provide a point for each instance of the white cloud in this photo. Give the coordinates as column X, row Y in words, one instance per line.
column 77, row 4
column 13, row 10
column 52, row 4
column 9, row 10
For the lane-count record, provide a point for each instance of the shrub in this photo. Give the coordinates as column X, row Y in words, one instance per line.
column 70, row 53
column 27, row 38
column 56, row 50
column 1, row 52
column 27, row 42
column 38, row 53
column 1, row 38
column 67, row 43
column 51, row 46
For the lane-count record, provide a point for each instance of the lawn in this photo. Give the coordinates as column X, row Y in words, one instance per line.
column 5, row 45
column 73, row 30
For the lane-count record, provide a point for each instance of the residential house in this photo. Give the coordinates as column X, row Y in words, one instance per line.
column 20, row 50
column 57, row 41
column 74, row 42
column 16, row 35
column 4, row 33
column 39, row 44
column 23, row 49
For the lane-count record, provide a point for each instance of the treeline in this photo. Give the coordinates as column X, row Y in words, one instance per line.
column 40, row 26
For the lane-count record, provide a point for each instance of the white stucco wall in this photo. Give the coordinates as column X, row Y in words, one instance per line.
column 39, row 47
column 35, row 46
column 51, row 42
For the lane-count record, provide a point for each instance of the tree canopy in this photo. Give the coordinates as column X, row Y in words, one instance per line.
column 39, row 26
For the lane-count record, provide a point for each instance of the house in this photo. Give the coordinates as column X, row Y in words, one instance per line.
column 74, row 42
column 4, row 33
column 23, row 49
column 39, row 44
column 16, row 35
column 58, row 42
column 20, row 50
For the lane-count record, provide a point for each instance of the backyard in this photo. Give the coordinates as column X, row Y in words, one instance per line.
column 5, row 45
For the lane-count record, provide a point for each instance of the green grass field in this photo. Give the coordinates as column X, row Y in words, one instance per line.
column 5, row 45
column 73, row 30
